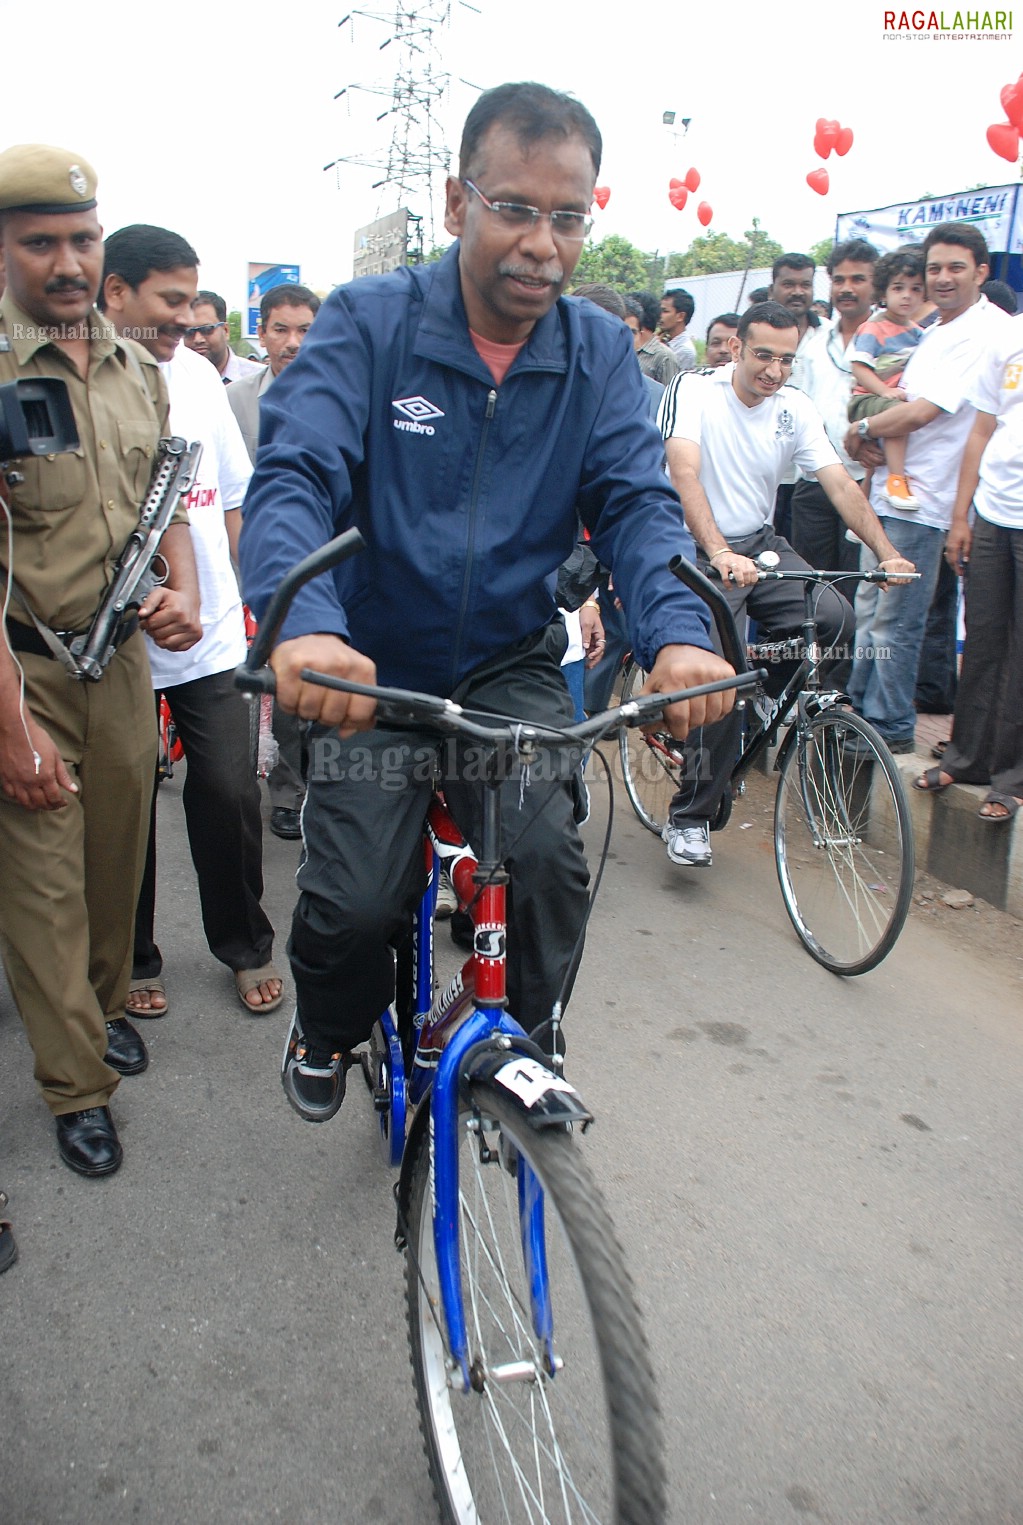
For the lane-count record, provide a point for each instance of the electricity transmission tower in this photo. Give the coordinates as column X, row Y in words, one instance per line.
column 417, row 152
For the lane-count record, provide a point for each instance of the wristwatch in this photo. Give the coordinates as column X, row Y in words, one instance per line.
column 863, row 428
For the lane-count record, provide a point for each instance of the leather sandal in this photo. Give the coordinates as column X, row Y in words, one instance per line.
column 930, row 781
column 150, row 987
column 248, row 980
column 1009, row 803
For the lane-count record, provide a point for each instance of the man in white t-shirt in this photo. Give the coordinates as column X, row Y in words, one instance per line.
column 936, row 420
column 149, row 282
column 731, row 434
column 987, row 731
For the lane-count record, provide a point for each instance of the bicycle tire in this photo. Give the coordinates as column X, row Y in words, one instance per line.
column 843, row 843
column 584, row 1445
column 651, row 776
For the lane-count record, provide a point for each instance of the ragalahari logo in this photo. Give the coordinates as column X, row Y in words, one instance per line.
column 417, row 411
column 947, row 26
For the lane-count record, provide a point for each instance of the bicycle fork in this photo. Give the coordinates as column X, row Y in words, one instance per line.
column 491, row 1052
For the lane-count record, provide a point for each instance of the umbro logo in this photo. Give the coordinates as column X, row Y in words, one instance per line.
column 417, row 412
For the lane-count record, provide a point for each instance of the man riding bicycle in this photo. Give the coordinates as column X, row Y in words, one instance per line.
column 463, row 415
column 731, row 433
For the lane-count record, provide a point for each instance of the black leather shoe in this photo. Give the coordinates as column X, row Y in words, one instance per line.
column 286, row 823
column 126, row 1053
column 88, row 1141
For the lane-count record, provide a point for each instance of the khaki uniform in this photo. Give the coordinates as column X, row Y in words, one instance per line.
column 70, row 877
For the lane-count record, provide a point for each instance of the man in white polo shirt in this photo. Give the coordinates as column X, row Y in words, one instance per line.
column 731, row 434
column 936, row 418
column 149, row 281
column 987, row 731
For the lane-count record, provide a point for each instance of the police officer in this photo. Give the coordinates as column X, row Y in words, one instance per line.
column 76, row 759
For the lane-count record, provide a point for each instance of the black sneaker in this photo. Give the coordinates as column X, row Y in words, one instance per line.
column 313, row 1078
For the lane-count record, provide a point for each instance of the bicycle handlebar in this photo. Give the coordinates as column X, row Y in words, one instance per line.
column 405, row 707
column 812, row 574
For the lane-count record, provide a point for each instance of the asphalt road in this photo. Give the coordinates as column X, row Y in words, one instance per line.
column 817, row 1182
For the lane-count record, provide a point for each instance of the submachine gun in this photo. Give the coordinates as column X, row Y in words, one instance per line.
column 134, row 575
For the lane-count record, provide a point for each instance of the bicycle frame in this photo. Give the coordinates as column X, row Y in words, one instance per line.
column 468, row 1018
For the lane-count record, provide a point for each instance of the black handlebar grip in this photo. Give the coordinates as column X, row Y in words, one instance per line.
column 734, row 650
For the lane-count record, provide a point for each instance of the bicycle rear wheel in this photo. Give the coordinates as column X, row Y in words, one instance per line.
column 843, row 843
column 583, row 1443
column 650, row 768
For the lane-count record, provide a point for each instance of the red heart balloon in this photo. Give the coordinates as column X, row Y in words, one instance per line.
column 705, row 212
column 1012, row 103
column 692, row 180
column 844, row 142
column 675, row 184
column 678, row 196
column 818, row 181
column 821, row 146
column 828, row 130
column 1004, row 139
column 602, row 195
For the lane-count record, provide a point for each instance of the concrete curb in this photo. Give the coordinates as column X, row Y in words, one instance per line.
column 956, row 846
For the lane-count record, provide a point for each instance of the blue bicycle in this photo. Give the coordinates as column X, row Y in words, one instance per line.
column 535, row 1388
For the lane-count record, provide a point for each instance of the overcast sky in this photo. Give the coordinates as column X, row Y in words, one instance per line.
column 200, row 118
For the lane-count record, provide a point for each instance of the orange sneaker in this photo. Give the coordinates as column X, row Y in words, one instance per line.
column 897, row 493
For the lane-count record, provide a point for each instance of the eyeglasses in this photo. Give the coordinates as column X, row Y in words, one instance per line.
column 765, row 356
column 571, row 227
column 203, row 328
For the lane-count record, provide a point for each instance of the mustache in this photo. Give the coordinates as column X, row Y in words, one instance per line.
column 552, row 273
column 53, row 288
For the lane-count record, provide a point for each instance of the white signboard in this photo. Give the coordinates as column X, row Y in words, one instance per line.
column 992, row 211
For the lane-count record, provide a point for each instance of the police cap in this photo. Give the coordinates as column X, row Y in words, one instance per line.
column 37, row 178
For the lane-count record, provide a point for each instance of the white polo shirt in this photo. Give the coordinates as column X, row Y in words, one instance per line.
column 199, row 410
column 942, row 369
column 998, row 389
column 744, row 452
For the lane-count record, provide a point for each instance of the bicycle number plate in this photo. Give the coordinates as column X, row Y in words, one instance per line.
column 530, row 1081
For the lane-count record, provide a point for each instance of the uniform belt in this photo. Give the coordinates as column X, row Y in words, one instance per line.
column 25, row 638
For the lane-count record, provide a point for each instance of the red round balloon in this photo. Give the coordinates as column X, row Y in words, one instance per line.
column 1004, row 139
column 1012, row 103
column 818, row 181
column 678, row 196
column 602, row 195
column 692, row 180
column 844, row 142
column 704, row 213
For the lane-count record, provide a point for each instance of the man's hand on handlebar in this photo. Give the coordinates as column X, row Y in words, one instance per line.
column 731, row 567
column 679, row 667
column 327, row 654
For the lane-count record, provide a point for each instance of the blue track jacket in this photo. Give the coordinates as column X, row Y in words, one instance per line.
column 467, row 494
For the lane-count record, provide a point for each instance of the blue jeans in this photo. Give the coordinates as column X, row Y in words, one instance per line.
column 884, row 674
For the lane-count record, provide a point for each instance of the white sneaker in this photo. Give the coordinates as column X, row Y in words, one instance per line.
column 447, row 900
column 688, row 843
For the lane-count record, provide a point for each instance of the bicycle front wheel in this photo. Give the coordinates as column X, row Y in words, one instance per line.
column 650, row 767
column 580, row 1442
column 843, row 843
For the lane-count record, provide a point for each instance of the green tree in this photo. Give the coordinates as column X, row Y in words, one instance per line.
column 437, row 252
column 716, row 252
column 612, row 262
column 821, row 253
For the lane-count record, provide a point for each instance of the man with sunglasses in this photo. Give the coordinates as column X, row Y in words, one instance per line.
column 463, row 415
column 207, row 336
column 731, row 433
